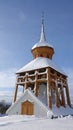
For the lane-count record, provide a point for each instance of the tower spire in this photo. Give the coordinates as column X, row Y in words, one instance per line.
column 42, row 36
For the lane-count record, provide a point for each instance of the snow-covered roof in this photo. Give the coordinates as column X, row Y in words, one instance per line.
column 42, row 44
column 38, row 63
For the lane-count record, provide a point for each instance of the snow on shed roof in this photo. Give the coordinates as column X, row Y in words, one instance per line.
column 38, row 63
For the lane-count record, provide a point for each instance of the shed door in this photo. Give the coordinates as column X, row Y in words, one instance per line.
column 27, row 108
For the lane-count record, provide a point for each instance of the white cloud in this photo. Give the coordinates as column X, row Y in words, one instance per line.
column 7, row 84
column 6, row 96
column 7, row 78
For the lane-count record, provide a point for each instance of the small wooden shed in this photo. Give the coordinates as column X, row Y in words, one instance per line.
column 28, row 104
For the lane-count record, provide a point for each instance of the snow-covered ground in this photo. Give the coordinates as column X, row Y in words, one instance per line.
column 19, row 122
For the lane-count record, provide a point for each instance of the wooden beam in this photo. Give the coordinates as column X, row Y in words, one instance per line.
column 67, row 95
column 15, row 95
column 36, row 89
column 36, row 84
column 49, row 89
column 63, row 97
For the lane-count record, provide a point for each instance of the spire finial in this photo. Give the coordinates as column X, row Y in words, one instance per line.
column 42, row 17
column 42, row 36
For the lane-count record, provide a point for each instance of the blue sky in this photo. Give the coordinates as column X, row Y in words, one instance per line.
column 20, row 24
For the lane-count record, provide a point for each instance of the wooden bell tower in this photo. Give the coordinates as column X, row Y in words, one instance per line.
column 43, row 77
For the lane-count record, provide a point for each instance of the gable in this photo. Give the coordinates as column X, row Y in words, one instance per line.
column 28, row 98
